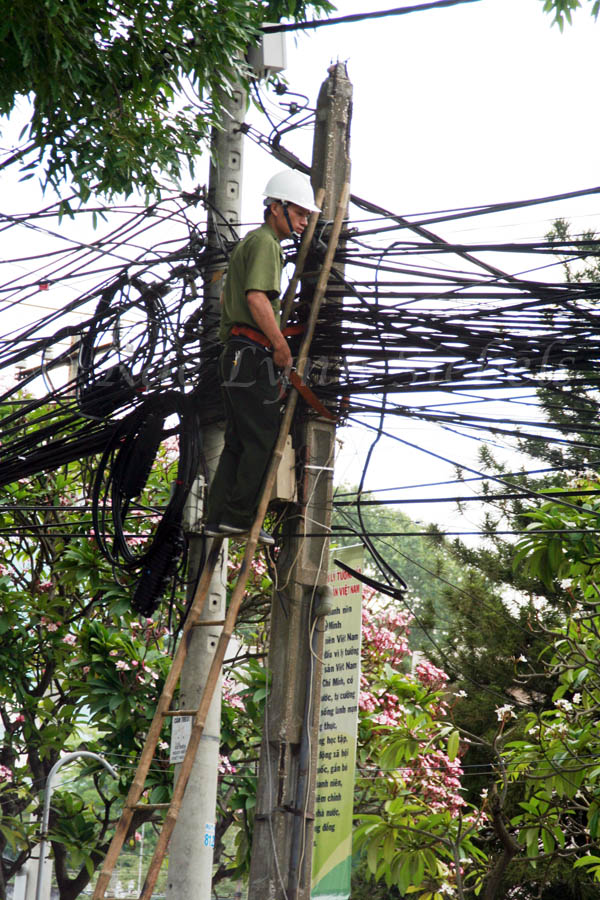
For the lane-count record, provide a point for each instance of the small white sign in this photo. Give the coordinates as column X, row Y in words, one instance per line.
column 209, row 835
column 181, row 730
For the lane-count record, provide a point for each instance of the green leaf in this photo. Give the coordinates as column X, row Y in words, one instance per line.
column 593, row 822
column 453, row 744
column 587, row 860
column 531, row 841
column 372, row 856
column 547, row 841
column 389, row 847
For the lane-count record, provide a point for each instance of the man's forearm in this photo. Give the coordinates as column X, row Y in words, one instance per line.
column 262, row 313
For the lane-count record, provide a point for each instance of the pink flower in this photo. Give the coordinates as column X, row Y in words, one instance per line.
column 429, row 675
column 171, row 445
column 437, row 780
column 259, row 566
column 124, row 666
column 69, row 639
column 230, row 696
column 225, row 767
column 5, row 773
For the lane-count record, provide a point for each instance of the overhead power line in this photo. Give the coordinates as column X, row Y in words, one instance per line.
column 361, row 17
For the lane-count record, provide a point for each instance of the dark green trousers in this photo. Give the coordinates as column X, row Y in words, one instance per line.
column 250, row 387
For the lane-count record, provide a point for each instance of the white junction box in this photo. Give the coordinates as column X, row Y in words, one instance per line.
column 270, row 56
column 285, row 487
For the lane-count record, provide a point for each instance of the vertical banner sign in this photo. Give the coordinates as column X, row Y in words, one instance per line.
column 338, row 724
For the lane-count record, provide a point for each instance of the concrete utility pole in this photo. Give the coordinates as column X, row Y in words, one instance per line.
column 191, row 853
column 283, row 830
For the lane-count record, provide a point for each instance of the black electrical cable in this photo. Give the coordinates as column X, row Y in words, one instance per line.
column 361, row 17
column 410, row 487
column 373, row 335
column 524, row 491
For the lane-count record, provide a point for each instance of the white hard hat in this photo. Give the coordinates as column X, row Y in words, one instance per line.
column 292, row 186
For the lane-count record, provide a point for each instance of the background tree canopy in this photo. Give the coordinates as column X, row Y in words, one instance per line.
column 123, row 93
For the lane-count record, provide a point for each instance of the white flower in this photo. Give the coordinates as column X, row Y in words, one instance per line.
column 563, row 704
column 577, row 698
column 506, row 712
column 522, row 658
column 558, row 730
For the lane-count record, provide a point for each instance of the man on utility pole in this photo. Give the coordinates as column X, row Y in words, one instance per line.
column 253, row 340
column 283, row 828
column 192, row 842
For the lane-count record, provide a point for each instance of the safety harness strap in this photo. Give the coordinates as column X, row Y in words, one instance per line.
column 259, row 338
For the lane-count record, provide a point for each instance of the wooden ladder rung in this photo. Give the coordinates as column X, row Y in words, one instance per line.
column 151, row 806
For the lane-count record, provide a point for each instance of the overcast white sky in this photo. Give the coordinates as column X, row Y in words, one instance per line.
column 453, row 107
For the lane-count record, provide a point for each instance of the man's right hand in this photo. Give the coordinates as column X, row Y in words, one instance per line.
column 282, row 356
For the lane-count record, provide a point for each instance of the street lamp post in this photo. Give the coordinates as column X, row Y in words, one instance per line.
column 47, row 798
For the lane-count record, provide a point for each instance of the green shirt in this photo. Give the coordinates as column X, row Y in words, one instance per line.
column 255, row 265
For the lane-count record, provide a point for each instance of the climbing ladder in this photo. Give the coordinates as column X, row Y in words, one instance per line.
column 163, row 709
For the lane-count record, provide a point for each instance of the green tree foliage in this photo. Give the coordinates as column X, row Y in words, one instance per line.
column 506, row 621
column 122, row 92
column 557, row 758
column 415, row 831
column 563, row 10
column 79, row 670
